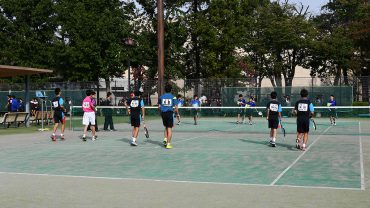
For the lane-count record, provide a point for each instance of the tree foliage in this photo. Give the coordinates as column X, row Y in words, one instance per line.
column 84, row 39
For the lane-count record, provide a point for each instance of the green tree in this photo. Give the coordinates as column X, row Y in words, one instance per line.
column 27, row 33
column 91, row 34
column 277, row 41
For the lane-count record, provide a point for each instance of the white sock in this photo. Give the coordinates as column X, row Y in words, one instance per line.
column 53, row 133
column 303, row 145
column 61, row 134
column 274, row 139
column 84, row 135
column 133, row 139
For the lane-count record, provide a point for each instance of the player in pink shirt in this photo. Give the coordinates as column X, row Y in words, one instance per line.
column 89, row 114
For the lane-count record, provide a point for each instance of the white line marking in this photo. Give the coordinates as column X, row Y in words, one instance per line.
column 361, row 159
column 176, row 181
column 298, row 158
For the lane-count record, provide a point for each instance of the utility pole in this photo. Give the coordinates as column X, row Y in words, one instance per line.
column 160, row 35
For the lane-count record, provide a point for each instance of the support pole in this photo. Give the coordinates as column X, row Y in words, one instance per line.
column 27, row 98
column 160, row 34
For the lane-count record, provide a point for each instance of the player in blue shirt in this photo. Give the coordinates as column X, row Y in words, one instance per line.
column 241, row 111
column 252, row 104
column 59, row 117
column 180, row 103
column 14, row 106
column 332, row 111
column 195, row 103
column 274, row 117
column 166, row 103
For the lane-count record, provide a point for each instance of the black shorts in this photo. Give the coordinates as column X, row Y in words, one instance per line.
column 167, row 119
column 241, row 112
column 333, row 112
column 194, row 112
column 59, row 118
column 273, row 123
column 303, row 125
column 249, row 112
column 135, row 120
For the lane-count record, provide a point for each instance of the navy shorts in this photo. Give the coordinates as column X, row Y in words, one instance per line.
column 135, row 120
column 167, row 119
column 273, row 123
column 303, row 125
column 59, row 118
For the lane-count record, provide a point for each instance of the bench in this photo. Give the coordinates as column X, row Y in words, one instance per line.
column 48, row 117
column 15, row 118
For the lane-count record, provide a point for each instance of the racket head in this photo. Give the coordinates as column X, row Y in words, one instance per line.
column 146, row 132
column 313, row 124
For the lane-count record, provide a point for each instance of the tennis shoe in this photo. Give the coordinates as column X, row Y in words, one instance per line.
column 84, row 139
column 165, row 142
column 62, row 137
column 133, row 143
column 54, row 138
column 272, row 143
column 168, row 146
column 93, row 139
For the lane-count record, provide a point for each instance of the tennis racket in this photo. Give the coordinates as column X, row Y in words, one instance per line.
column 282, row 128
column 259, row 112
column 313, row 124
column 146, row 131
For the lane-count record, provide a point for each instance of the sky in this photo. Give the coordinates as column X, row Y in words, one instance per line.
column 315, row 5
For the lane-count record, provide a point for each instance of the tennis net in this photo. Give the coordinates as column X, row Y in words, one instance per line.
column 225, row 119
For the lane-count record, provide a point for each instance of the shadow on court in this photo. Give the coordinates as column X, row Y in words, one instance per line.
column 264, row 143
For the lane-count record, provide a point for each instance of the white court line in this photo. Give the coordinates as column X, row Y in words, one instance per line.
column 178, row 181
column 361, row 159
column 298, row 158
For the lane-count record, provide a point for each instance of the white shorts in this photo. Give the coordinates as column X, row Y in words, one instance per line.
column 89, row 117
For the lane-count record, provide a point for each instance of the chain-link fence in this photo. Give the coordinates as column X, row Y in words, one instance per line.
column 218, row 92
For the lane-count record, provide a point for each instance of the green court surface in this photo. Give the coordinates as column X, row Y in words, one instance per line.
column 217, row 153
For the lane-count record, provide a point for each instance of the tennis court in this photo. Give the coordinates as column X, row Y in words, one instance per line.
column 217, row 163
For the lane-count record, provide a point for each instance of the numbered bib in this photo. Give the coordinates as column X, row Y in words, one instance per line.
column 55, row 104
column 134, row 103
column 167, row 102
column 274, row 107
column 302, row 107
column 86, row 105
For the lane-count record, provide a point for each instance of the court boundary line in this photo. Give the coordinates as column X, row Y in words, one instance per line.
column 361, row 159
column 298, row 158
column 180, row 181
